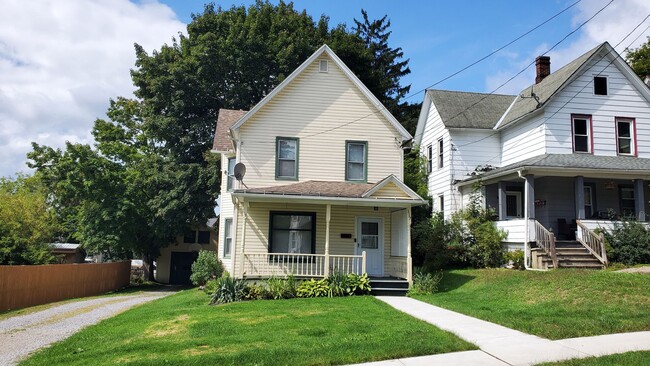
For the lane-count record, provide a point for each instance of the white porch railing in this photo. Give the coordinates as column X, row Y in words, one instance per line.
column 593, row 242
column 262, row 265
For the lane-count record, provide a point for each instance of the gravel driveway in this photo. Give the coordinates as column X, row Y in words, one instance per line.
column 21, row 335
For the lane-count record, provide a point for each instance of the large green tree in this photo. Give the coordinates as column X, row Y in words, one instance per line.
column 639, row 59
column 27, row 222
column 149, row 175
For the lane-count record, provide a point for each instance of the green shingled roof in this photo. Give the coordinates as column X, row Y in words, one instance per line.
column 469, row 110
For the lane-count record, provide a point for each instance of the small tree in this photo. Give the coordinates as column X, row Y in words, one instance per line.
column 628, row 242
column 639, row 59
column 206, row 267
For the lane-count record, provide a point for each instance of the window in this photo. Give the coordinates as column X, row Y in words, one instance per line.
column 356, row 158
column 513, row 204
column 625, row 133
column 227, row 238
column 429, row 158
column 323, row 66
column 286, row 164
column 292, row 232
column 230, row 184
column 581, row 126
column 589, row 201
column 197, row 236
column 600, row 85
column 441, row 204
column 440, row 154
column 627, row 201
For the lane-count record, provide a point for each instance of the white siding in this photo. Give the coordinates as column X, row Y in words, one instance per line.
column 322, row 110
column 473, row 147
column 226, row 211
column 623, row 100
column 522, row 141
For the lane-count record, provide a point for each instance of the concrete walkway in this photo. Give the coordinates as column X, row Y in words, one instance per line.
column 23, row 334
column 504, row 346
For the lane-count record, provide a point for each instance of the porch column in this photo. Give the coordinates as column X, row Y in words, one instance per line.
column 639, row 201
column 529, row 193
column 409, row 259
column 580, row 198
column 243, row 238
column 502, row 201
column 328, row 214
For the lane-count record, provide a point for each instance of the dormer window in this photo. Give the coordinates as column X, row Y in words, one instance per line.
column 286, row 162
column 625, row 136
column 600, row 85
column 356, row 161
column 581, row 128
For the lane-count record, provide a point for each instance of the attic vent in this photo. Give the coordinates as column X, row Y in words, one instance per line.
column 323, row 66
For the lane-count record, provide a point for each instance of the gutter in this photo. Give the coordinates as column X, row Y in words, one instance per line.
column 527, row 225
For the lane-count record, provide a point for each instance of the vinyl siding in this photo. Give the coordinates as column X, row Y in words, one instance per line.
column 342, row 221
column 522, row 141
column 623, row 100
column 390, row 190
column 473, row 147
column 322, row 110
column 226, row 211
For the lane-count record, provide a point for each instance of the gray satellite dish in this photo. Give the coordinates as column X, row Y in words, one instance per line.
column 239, row 171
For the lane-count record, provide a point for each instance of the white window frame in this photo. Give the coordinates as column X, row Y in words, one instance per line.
column 227, row 240
column 230, row 171
column 587, row 119
column 441, row 155
column 430, row 158
column 632, row 123
column 606, row 85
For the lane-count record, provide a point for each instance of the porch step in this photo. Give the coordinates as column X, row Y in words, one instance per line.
column 387, row 286
column 570, row 254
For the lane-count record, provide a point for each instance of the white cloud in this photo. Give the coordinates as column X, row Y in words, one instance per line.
column 611, row 25
column 61, row 61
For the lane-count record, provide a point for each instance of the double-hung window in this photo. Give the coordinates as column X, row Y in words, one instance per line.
column 429, row 158
column 286, row 163
column 292, row 232
column 227, row 236
column 440, row 154
column 230, row 182
column 581, row 127
column 626, row 194
column 625, row 134
column 356, row 161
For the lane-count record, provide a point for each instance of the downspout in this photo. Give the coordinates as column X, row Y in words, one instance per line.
column 527, row 226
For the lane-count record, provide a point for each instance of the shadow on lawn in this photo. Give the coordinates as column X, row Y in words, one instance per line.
column 451, row 281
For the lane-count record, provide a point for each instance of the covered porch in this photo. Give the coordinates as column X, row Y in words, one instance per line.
column 314, row 229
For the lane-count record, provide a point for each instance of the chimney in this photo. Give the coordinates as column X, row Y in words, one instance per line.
column 543, row 67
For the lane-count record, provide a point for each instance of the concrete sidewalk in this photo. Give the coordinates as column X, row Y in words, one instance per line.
column 504, row 346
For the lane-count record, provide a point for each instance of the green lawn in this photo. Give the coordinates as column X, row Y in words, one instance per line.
column 555, row 304
column 628, row 359
column 182, row 329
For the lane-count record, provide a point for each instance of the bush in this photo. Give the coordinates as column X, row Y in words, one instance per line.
column 313, row 288
column 210, row 287
column 206, row 267
column 338, row 283
column 229, row 289
column 628, row 242
column 257, row 291
column 516, row 259
column 358, row 285
column 425, row 283
column 282, row 288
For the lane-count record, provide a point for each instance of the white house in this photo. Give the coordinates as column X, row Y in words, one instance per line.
column 562, row 156
column 323, row 190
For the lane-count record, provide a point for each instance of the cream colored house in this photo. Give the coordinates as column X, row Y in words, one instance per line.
column 323, row 190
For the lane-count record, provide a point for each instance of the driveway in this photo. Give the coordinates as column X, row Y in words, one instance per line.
column 24, row 334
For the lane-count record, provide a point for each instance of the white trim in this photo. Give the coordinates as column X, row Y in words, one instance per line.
column 496, row 127
column 422, row 119
column 398, row 183
column 383, row 202
column 325, row 49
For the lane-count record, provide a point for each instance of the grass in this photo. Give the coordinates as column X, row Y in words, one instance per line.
column 133, row 289
column 555, row 304
column 182, row 329
column 641, row 358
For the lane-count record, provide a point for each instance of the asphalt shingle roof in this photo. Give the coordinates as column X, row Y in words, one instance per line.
column 316, row 188
column 469, row 110
column 225, row 120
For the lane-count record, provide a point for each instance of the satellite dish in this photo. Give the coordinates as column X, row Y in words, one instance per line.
column 239, row 171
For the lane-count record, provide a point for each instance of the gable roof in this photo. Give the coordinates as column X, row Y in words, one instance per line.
column 470, row 110
column 324, row 49
column 547, row 88
column 225, row 120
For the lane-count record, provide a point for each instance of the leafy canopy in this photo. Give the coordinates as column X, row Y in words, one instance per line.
column 639, row 59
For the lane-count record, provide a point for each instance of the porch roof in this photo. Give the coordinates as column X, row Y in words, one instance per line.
column 572, row 164
column 339, row 192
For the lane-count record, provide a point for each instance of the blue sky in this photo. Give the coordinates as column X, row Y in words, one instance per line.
column 62, row 61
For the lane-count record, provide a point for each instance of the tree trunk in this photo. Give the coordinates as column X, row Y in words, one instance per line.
column 147, row 261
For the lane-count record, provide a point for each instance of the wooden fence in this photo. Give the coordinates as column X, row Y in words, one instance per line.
column 22, row 286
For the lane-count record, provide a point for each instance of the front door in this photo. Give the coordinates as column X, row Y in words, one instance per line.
column 370, row 238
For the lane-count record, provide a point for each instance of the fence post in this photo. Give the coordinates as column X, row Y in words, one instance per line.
column 363, row 262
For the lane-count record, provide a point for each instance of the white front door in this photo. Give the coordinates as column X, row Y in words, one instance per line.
column 370, row 238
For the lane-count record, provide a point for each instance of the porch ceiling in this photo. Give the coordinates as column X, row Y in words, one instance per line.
column 571, row 165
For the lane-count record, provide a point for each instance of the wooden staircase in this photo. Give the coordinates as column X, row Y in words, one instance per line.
column 570, row 254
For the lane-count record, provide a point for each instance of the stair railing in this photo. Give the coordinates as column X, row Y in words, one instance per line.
column 595, row 243
column 546, row 241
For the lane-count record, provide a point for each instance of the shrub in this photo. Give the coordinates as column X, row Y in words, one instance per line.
column 282, row 288
column 425, row 283
column 206, row 266
column 338, row 283
column 257, row 291
column 516, row 259
column 210, row 287
column 358, row 285
column 229, row 289
column 313, row 288
column 628, row 242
